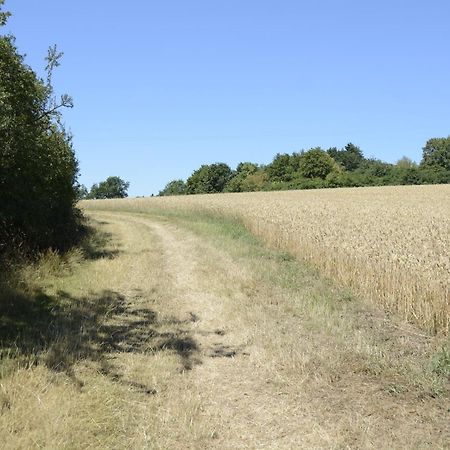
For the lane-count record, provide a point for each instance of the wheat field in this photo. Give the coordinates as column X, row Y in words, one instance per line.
column 389, row 245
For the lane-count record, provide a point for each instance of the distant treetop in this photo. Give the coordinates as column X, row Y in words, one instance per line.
column 317, row 168
column 112, row 187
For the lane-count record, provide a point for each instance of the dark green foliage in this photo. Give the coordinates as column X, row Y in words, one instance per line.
column 38, row 168
column 407, row 175
column 255, row 182
column 235, row 183
column 350, row 158
column 316, row 163
column 331, row 169
column 209, row 179
column 437, row 153
column 112, row 187
column 175, row 187
column 434, row 175
column 240, row 178
column 3, row 15
column 281, row 168
column 246, row 168
column 377, row 168
column 339, row 179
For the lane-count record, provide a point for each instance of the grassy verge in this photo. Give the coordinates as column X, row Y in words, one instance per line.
column 370, row 339
column 39, row 322
column 386, row 244
column 97, row 343
column 33, row 315
column 333, row 341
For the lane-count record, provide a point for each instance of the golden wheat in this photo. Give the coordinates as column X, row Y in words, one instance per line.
column 388, row 244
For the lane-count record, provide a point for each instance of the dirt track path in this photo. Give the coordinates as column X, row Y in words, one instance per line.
column 238, row 365
column 239, row 406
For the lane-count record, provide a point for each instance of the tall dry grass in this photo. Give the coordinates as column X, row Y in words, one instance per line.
column 388, row 244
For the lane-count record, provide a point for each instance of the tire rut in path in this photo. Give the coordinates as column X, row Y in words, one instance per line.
column 201, row 288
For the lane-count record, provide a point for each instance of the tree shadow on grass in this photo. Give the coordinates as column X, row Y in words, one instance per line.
column 62, row 330
column 98, row 243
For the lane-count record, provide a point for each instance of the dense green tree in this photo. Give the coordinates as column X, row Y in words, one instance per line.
column 242, row 172
column 208, row 179
column 174, row 187
column 433, row 175
column 38, row 168
column 255, row 181
column 281, row 168
column 112, row 187
column 246, row 168
column 319, row 169
column 316, row 163
column 408, row 175
column 437, row 153
column 350, row 158
column 377, row 168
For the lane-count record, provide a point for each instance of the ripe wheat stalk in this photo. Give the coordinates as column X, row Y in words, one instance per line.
column 390, row 245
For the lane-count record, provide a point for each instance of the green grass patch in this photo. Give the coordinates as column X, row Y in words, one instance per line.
column 441, row 362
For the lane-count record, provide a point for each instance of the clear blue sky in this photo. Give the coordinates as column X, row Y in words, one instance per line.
column 161, row 87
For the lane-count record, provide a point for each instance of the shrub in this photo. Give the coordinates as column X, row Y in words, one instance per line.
column 316, row 163
column 38, row 168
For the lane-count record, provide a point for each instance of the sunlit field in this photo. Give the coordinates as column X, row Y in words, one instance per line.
column 388, row 244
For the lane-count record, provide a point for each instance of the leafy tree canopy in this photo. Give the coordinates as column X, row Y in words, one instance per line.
column 112, row 187
column 437, row 153
column 3, row 14
column 209, row 179
column 319, row 169
column 237, row 182
column 38, row 168
column 350, row 158
column 316, row 163
column 254, row 181
column 174, row 187
column 281, row 168
column 377, row 168
column 246, row 168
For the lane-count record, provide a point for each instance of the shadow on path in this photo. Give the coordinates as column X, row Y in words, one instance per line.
column 98, row 243
column 61, row 330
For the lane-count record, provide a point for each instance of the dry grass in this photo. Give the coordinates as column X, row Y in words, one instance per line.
column 87, row 350
column 390, row 244
column 182, row 332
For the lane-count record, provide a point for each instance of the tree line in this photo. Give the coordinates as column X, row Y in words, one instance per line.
column 318, row 168
column 38, row 167
column 112, row 187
